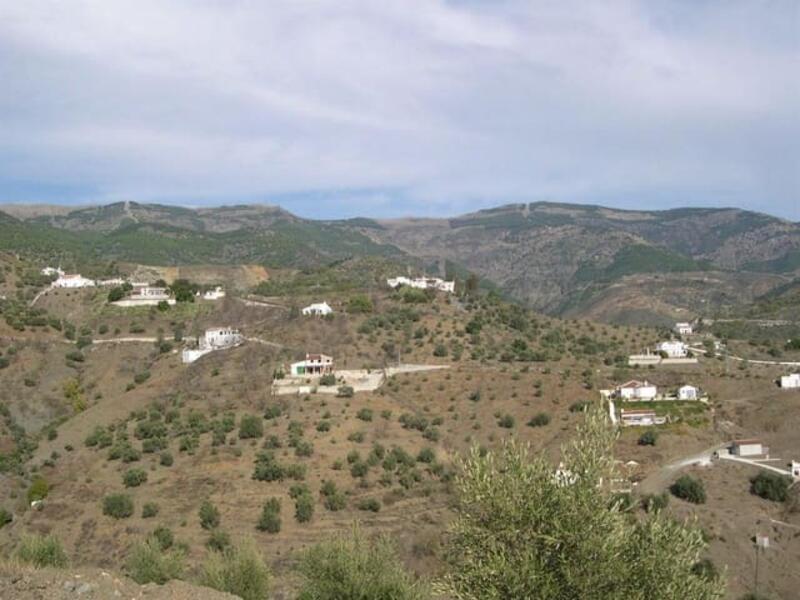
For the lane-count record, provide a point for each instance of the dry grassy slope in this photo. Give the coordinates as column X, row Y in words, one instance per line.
column 238, row 381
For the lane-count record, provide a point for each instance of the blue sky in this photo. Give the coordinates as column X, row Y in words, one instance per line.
column 349, row 107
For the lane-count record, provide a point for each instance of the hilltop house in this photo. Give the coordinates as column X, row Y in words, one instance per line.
column 314, row 364
column 640, row 418
column 636, row 390
column 217, row 338
column 109, row 282
column 684, row 328
column 673, row 349
column 73, row 280
column 215, row 294
column 423, row 283
column 144, row 294
column 790, row 381
column 319, row 309
column 688, row 392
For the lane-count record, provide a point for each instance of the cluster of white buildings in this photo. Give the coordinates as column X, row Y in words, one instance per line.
column 76, row 280
column 790, row 382
column 644, row 417
column 318, row 309
column 423, row 283
column 644, row 391
column 218, row 338
column 673, row 349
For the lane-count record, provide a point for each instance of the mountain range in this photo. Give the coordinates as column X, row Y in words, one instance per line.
column 571, row 260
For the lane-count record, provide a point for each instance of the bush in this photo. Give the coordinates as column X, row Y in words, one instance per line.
column 250, row 427
column 218, row 540
column 345, row 391
column 506, row 421
column 240, row 571
column 164, row 537
column 209, row 515
column 655, row 502
column 166, row 459
column 134, row 477
column 328, row 379
column 689, row 489
column 41, row 551
column 648, row 438
column 5, row 517
column 148, row 562
column 303, row 508
column 365, row 414
column 149, row 510
column 270, row 520
column 771, row 486
column 426, row 455
column 38, row 490
column 119, row 506
column 370, row 504
column 334, row 500
column 539, row 420
column 354, row 567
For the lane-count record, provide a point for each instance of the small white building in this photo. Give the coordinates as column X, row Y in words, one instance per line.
column 795, row 469
column 688, row 392
column 109, row 282
column 144, row 294
column 314, row 364
column 319, row 309
column 636, row 390
column 73, row 280
column 150, row 292
column 216, row 294
column 790, row 381
column 217, row 338
column 673, row 349
column 423, row 283
column 640, row 418
column 50, row 271
column 684, row 328
column 750, row 447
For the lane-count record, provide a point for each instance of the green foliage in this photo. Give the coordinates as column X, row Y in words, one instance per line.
column 506, row 421
column 369, row 504
column 209, row 515
column 539, row 420
column 218, row 540
column 345, row 391
column 690, row 489
column 303, row 507
column 365, row 414
column 119, row 506
column 41, row 551
column 359, row 304
column 148, row 562
column 353, row 567
column 134, row 477
column 523, row 531
column 164, row 537
column 771, row 486
column 165, row 459
column 655, row 502
column 333, row 499
column 270, row 520
column 648, row 438
column 5, row 517
column 149, row 510
column 38, row 490
column 327, row 379
column 250, row 427
column 238, row 570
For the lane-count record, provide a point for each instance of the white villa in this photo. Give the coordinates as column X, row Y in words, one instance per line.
column 216, row 294
column 673, row 349
column 790, row 381
column 636, row 390
column 50, row 271
column 314, row 364
column 144, row 294
column 73, row 280
column 318, row 309
column 684, row 328
column 109, row 282
column 423, row 283
column 688, row 392
column 218, row 338
column 640, row 418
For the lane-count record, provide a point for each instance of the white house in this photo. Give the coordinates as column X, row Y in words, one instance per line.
column 215, row 294
column 636, row 390
column 684, row 328
column 673, row 349
column 217, row 338
column 640, row 418
column 688, row 392
column 146, row 295
column 314, row 364
column 790, row 381
column 110, row 282
column 50, row 271
column 795, row 469
column 423, row 283
column 319, row 309
column 74, row 280
column 748, row 448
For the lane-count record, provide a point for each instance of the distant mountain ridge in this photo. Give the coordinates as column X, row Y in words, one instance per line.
column 559, row 258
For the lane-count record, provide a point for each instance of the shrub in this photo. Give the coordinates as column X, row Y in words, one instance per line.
column 689, row 489
column 134, row 477
column 270, row 520
column 323, row 426
column 655, row 502
column 370, row 504
column 149, row 510
column 38, row 490
column 426, row 455
column 648, row 438
column 539, row 420
column 771, row 486
column 209, row 515
column 365, row 414
column 41, row 551
column 240, row 571
column 303, row 508
column 345, row 391
column 506, row 421
column 5, row 517
column 218, row 540
column 334, row 500
column 328, row 379
column 164, row 537
column 148, row 562
column 250, row 427
column 354, row 567
column 166, row 459
column 119, row 506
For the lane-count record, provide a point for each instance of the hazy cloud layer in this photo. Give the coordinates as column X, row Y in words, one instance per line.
column 398, row 107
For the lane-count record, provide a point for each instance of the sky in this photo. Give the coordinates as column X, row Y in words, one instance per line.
column 338, row 108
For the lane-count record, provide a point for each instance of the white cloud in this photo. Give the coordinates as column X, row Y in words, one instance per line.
column 455, row 104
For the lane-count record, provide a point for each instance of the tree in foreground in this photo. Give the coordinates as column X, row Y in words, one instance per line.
column 526, row 530
column 354, row 567
column 238, row 570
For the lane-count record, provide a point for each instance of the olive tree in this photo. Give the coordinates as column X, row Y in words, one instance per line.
column 526, row 530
